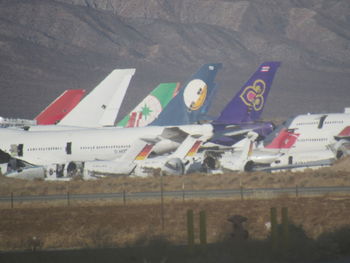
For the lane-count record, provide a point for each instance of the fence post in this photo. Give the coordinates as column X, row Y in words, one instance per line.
column 183, row 191
column 161, row 200
column 190, row 230
column 11, row 200
column 242, row 193
column 202, row 228
column 124, row 197
column 274, row 228
column 285, row 227
column 68, row 199
column 296, row 191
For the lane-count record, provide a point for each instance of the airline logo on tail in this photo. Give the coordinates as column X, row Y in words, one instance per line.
column 284, row 140
column 195, row 94
column 192, row 152
column 144, row 152
column 253, row 96
column 148, row 110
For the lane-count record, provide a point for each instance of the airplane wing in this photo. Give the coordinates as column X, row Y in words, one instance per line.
column 174, row 134
column 311, row 164
column 101, row 106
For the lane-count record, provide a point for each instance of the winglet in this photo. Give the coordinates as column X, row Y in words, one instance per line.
column 249, row 102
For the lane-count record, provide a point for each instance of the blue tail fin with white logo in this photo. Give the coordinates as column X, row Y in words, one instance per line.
column 191, row 103
column 249, row 102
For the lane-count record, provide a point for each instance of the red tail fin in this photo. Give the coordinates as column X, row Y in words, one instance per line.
column 345, row 133
column 284, row 140
column 60, row 107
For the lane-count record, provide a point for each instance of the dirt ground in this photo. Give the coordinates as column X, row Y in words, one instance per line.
column 138, row 224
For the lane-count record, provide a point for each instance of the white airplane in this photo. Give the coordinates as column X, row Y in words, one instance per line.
column 99, row 108
column 305, row 141
column 60, row 153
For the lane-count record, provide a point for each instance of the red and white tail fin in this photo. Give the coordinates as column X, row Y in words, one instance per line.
column 60, row 107
column 344, row 134
column 284, row 140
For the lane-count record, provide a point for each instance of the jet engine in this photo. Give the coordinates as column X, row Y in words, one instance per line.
column 342, row 148
column 174, row 166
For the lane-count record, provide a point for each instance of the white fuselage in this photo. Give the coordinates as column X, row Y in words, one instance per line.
column 316, row 138
column 57, row 147
column 317, row 131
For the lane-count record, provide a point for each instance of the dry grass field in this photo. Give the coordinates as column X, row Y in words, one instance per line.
column 139, row 224
column 337, row 175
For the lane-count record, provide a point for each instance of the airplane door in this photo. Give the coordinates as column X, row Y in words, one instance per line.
column 20, row 150
column 17, row 149
column 69, row 148
column 290, row 160
column 322, row 119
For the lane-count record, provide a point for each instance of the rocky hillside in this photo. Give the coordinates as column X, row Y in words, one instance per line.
column 49, row 46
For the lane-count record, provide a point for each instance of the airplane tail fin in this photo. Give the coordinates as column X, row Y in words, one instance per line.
column 248, row 147
column 60, row 107
column 188, row 147
column 285, row 139
column 101, row 106
column 150, row 107
column 192, row 101
column 139, row 151
column 249, row 102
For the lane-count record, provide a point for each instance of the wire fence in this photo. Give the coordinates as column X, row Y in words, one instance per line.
column 125, row 197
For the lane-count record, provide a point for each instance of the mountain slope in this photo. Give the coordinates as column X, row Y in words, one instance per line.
column 49, row 46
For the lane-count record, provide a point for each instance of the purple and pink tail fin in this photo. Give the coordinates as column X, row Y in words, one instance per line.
column 249, row 102
column 60, row 107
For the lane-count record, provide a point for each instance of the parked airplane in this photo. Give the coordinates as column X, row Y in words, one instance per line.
column 236, row 119
column 99, row 108
column 53, row 113
column 61, row 151
column 323, row 139
column 242, row 156
column 312, row 141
